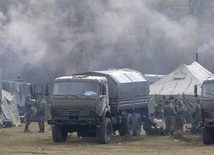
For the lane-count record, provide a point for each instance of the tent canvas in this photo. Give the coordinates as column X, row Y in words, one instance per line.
column 9, row 109
column 179, row 83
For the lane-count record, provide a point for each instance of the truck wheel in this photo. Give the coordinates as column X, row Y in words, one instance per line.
column 137, row 124
column 122, row 131
column 207, row 136
column 127, row 126
column 104, row 132
column 59, row 134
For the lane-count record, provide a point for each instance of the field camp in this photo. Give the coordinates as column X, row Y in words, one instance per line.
column 13, row 122
column 107, row 77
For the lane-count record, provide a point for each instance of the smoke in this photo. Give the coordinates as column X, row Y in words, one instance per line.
column 206, row 46
column 45, row 39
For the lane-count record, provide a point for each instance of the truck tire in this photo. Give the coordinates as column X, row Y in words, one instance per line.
column 127, row 126
column 104, row 132
column 207, row 136
column 59, row 134
column 137, row 124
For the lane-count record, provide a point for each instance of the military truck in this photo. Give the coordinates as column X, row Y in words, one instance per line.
column 207, row 110
column 21, row 89
column 98, row 103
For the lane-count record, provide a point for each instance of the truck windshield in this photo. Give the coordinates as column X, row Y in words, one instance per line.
column 208, row 89
column 75, row 88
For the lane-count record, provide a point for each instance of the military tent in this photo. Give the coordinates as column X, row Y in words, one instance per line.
column 179, row 83
column 9, row 109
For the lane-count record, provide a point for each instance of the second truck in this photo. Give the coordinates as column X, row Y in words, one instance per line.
column 98, row 103
column 207, row 110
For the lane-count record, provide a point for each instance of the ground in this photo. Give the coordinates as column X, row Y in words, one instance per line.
column 15, row 141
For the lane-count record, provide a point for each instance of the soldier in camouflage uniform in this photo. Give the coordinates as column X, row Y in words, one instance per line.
column 169, row 114
column 150, row 125
column 196, row 119
column 29, row 110
column 158, row 110
column 41, row 114
column 180, row 117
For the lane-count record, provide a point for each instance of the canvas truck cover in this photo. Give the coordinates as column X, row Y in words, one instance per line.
column 123, row 83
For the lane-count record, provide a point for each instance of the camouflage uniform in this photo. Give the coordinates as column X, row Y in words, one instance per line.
column 196, row 118
column 158, row 110
column 169, row 113
column 41, row 114
column 149, row 125
column 180, row 117
column 28, row 110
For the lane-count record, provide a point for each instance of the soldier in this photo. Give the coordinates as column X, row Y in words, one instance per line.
column 169, row 113
column 180, row 117
column 158, row 110
column 196, row 118
column 150, row 125
column 164, row 100
column 41, row 103
column 29, row 110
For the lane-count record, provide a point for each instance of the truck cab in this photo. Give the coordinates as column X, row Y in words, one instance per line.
column 79, row 104
column 207, row 110
column 79, row 99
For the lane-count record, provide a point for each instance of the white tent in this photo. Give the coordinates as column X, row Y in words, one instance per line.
column 180, row 83
column 9, row 109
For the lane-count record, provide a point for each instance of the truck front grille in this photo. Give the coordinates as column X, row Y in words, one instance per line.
column 71, row 112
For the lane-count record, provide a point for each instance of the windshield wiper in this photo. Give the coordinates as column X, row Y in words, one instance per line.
column 72, row 95
column 83, row 95
column 60, row 95
column 66, row 95
column 209, row 94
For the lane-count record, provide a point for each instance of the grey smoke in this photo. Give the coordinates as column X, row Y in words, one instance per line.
column 45, row 39
column 206, row 46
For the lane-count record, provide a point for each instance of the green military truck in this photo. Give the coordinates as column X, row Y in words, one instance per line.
column 207, row 110
column 97, row 103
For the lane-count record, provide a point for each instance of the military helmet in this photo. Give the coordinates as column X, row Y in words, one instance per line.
column 171, row 97
column 160, row 101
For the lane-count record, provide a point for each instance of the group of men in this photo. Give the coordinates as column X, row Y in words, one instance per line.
column 35, row 108
column 172, row 114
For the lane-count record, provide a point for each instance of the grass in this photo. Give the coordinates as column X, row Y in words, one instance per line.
column 15, row 141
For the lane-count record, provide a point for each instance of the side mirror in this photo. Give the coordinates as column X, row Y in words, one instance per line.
column 46, row 90
column 103, row 91
column 196, row 90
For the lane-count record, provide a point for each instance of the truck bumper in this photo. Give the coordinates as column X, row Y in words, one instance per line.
column 207, row 123
column 80, row 121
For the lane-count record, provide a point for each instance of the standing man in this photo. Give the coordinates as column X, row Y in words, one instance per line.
column 169, row 114
column 180, row 117
column 29, row 110
column 158, row 110
column 41, row 114
column 196, row 119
